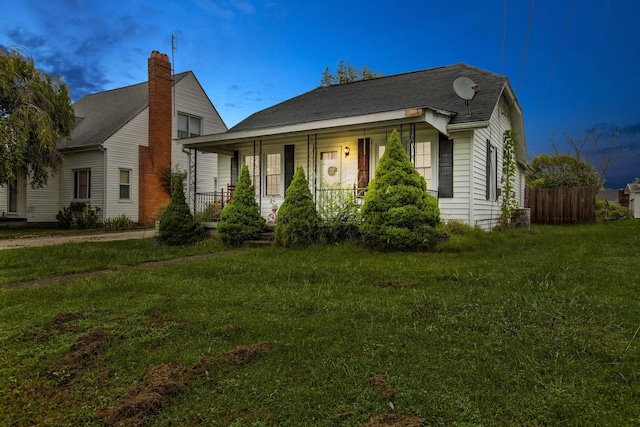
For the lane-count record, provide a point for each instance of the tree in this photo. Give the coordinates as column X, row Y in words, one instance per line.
column 298, row 220
column 177, row 225
column 398, row 213
column 35, row 115
column 589, row 157
column 240, row 220
column 561, row 171
column 346, row 74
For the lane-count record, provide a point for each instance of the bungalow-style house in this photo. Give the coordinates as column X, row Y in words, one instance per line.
column 338, row 134
column 124, row 140
column 633, row 191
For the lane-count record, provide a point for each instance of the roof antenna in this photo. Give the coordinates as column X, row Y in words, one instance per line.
column 466, row 89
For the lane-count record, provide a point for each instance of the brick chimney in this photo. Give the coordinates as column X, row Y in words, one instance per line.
column 157, row 156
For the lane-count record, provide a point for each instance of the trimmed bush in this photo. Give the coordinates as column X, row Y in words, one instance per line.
column 78, row 215
column 398, row 213
column 240, row 220
column 177, row 225
column 297, row 224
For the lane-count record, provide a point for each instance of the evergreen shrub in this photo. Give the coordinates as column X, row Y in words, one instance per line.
column 177, row 225
column 240, row 220
column 298, row 220
column 398, row 214
column 78, row 215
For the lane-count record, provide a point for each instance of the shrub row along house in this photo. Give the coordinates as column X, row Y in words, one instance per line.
column 338, row 134
column 125, row 137
column 123, row 143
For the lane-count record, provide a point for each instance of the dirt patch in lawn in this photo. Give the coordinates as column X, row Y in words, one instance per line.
column 86, row 350
column 394, row 284
column 380, row 385
column 242, row 355
column 393, row 420
column 162, row 383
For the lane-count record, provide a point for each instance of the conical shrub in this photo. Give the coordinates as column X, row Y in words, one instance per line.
column 298, row 221
column 177, row 225
column 240, row 220
column 398, row 213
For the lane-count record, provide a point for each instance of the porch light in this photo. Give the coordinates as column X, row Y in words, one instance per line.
column 346, row 151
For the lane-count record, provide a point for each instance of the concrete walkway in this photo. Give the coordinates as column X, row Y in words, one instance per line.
column 33, row 241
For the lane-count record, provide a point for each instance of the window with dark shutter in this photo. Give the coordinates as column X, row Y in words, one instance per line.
column 445, row 167
column 235, row 163
column 289, row 165
column 364, row 148
column 488, row 171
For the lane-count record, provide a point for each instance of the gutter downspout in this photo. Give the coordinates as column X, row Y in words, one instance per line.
column 105, row 178
column 188, row 153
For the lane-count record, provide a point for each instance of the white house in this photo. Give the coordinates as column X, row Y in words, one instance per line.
column 633, row 190
column 338, row 134
column 122, row 140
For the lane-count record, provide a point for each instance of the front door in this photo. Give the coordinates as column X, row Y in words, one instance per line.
column 329, row 169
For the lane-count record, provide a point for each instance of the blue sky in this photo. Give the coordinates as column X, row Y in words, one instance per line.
column 573, row 64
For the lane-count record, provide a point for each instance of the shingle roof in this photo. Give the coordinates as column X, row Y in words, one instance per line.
column 100, row 115
column 431, row 88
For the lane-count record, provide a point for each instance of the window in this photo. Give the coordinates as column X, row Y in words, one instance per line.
column 423, row 161
column 82, row 184
column 125, row 184
column 189, row 126
column 254, row 171
column 274, row 168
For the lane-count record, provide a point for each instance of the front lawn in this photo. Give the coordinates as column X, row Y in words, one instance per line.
column 516, row 328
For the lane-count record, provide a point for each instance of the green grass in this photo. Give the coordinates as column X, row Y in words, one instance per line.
column 515, row 328
column 18, row 265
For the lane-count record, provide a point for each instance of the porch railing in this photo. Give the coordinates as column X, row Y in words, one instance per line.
column 329, row 201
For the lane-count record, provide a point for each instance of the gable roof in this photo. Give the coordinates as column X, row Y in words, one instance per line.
column 633, row 187
column 100, row 115
column 431, row 88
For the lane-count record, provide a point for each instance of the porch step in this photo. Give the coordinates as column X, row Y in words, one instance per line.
column 266, row 238
column 258, row 243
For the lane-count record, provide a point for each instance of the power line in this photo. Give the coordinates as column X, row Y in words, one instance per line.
column 504, row 37
column 555, row 60
column 526, row 44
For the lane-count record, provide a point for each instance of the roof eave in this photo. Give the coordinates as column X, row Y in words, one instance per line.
column 437, row 118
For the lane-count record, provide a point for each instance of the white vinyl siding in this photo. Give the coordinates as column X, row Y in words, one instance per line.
column 123, row 153
column 86, row 160
column 190, row 99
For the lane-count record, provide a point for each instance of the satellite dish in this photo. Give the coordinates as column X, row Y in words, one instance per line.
column 466, row 89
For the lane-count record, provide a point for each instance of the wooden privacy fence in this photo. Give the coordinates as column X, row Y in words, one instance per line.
column 561, row 205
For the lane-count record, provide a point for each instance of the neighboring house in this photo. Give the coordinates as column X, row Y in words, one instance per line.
column 123, row 140
column 633, row 191
column 338, row 134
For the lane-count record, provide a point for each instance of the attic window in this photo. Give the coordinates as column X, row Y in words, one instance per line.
column 189, row 126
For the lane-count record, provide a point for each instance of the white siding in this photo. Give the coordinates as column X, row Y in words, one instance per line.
column 486, row 213
column 44, row 203
column 123, row 150
column 191, row 99
column 92, row 159
column 458, row 207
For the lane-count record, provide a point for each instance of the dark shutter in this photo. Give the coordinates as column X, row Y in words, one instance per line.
column 289, row 165
column 445, row 167
column 488, row 171
column 235, row 163
column 364, row 150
